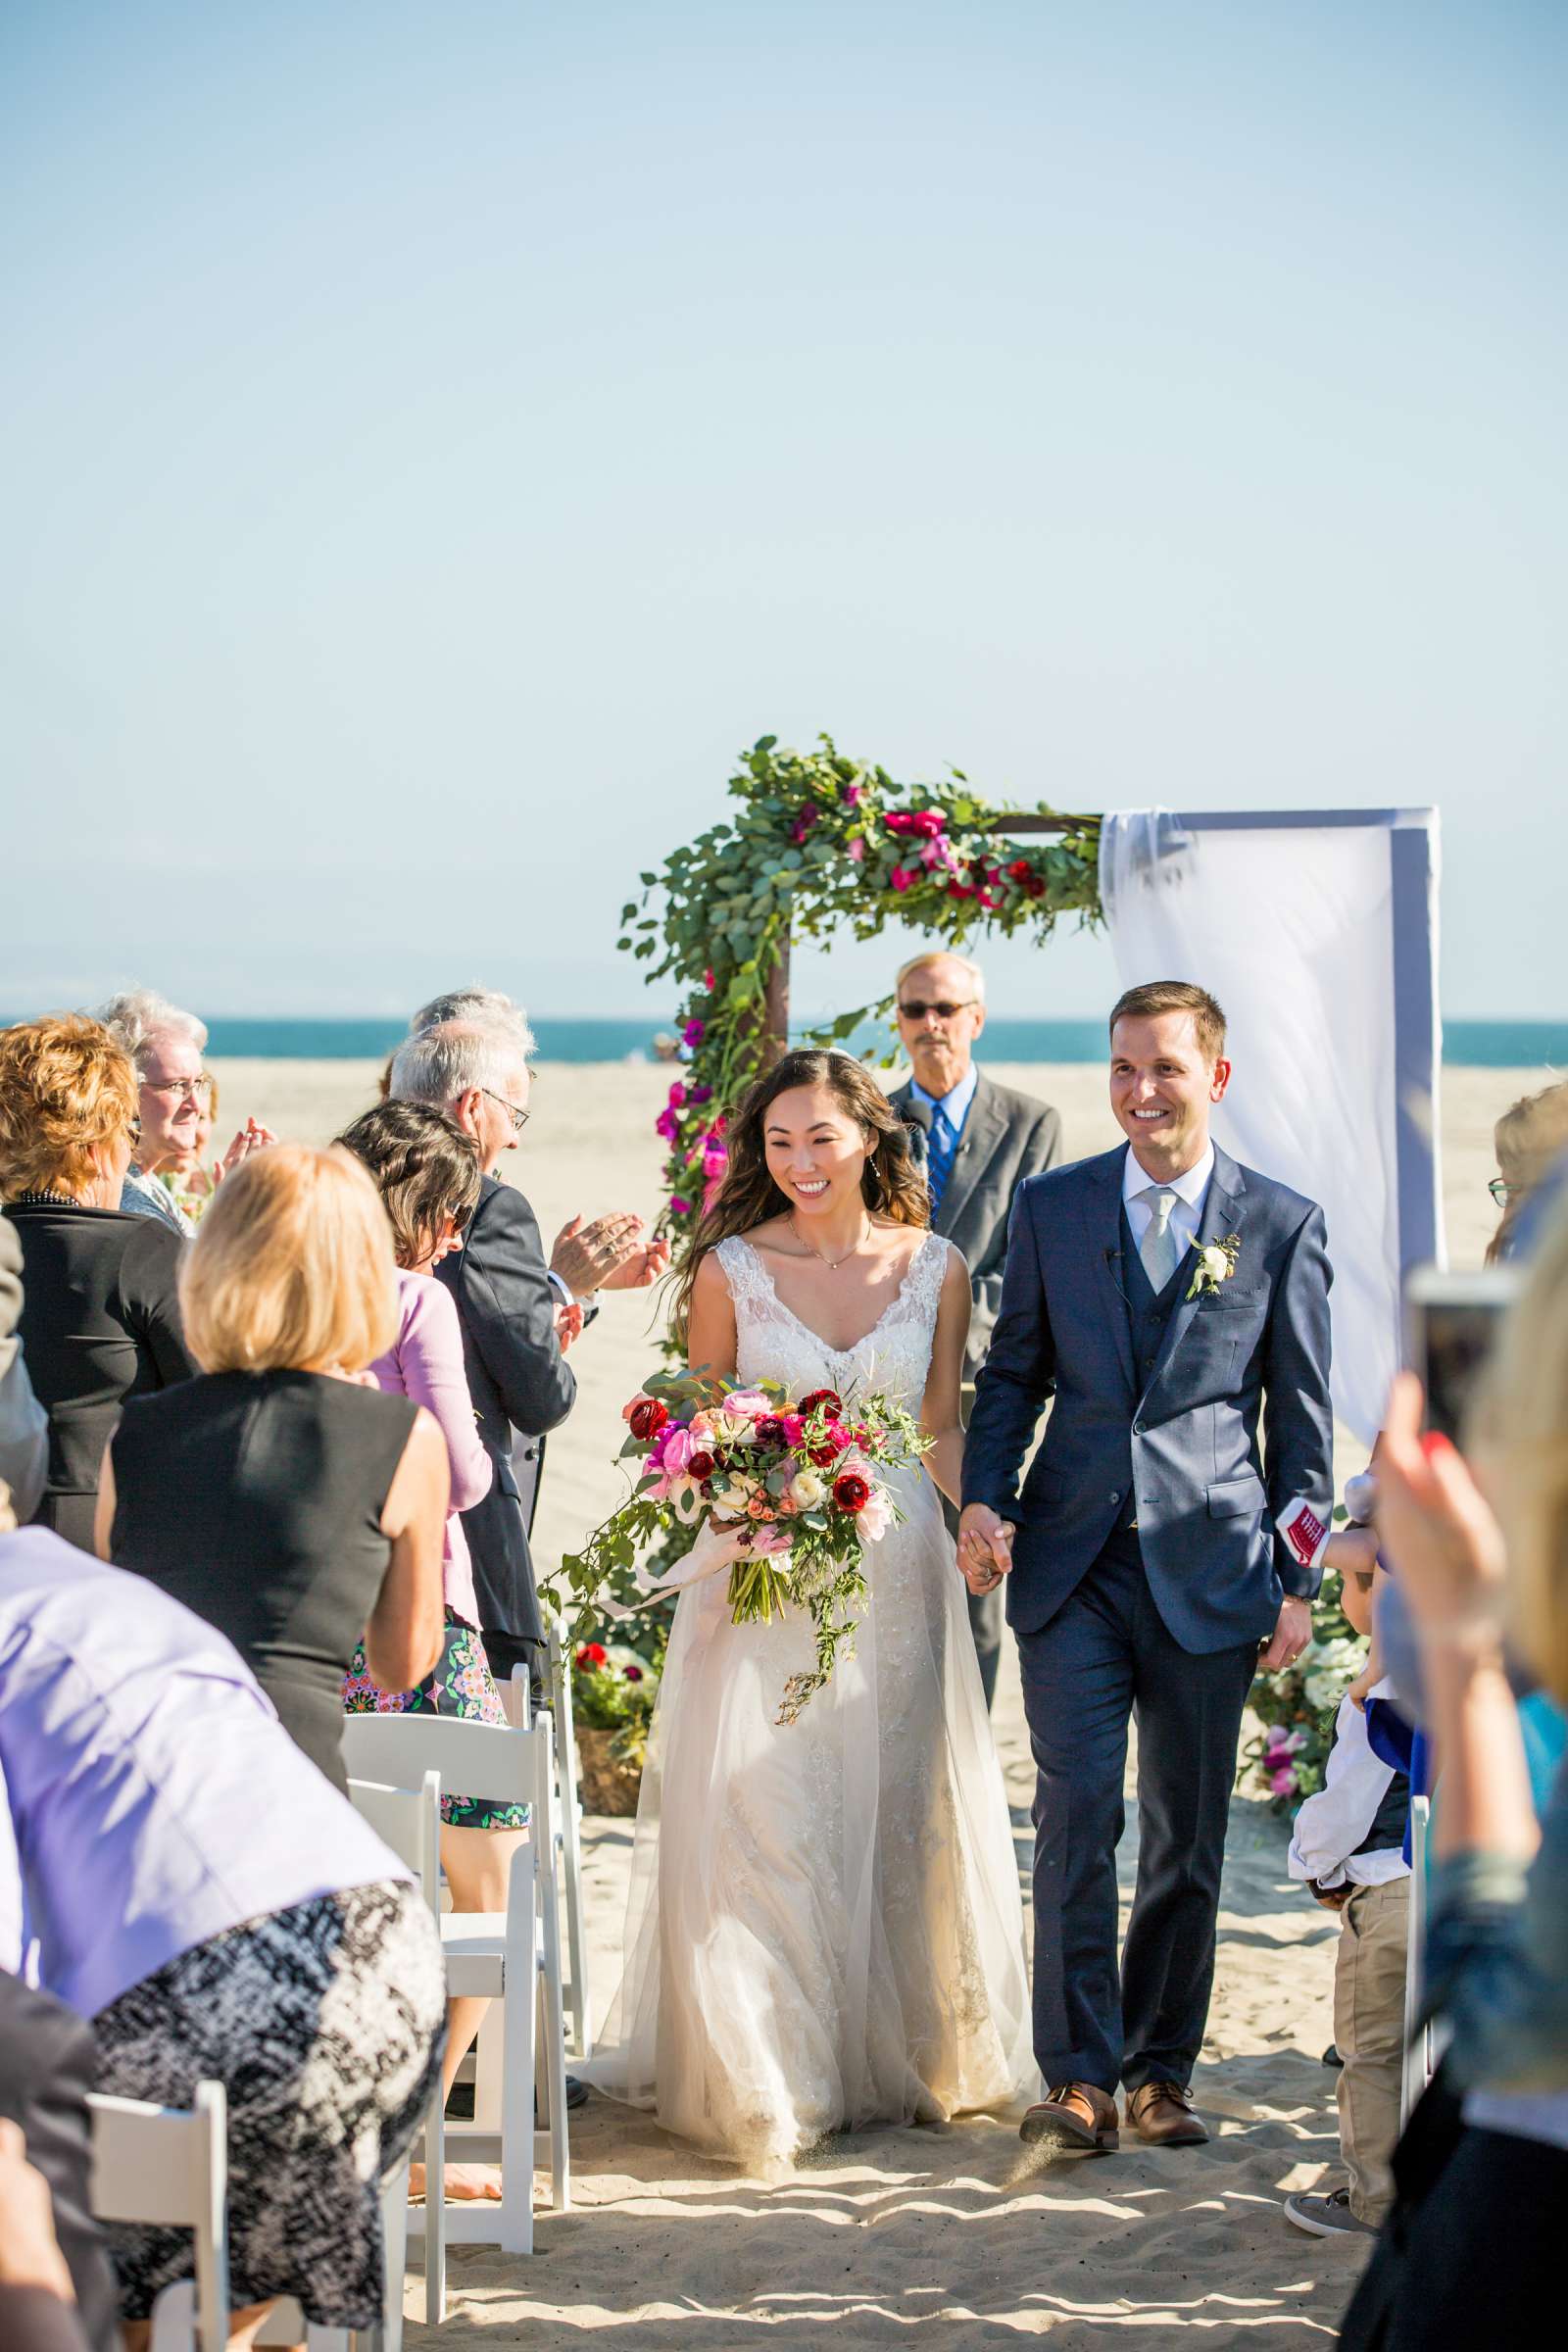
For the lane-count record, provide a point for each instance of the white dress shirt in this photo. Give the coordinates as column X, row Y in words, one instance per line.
column 954, row 1106
column 1191, row 1191
column 1331, row 1825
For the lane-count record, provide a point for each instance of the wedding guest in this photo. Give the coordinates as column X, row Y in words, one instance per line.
column 1348, row 1848
column 980, row 1142
column 285, row 1498
column 508, row 1299
column 1530, row 1137
column 23, row 1423
column 428, row 1173
column 166, row 1046
column 216, row 1911
column 1471, row 2249
column 1173, row 1307
column 100, row 1316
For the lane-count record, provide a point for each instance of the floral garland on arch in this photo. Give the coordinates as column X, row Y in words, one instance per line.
column 822, row 843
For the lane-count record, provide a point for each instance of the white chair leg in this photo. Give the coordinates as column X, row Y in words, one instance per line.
column 394, row 2254
column 489, row 2068
column 435, row 2212
column 175, row 2318
column 516, row 2220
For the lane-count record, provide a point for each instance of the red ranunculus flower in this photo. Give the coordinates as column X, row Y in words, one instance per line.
column 830, row 1398
column 648, row 1418
column 699, row 1466
column 851, row 1491
column 822, row 1455
column 1020, row 869
column 592, row 1654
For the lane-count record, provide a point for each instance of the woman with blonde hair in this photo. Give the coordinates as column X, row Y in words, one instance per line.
column 1482, row 1560
column 100, row 1317
column 285, row 1498
column 824, row 1929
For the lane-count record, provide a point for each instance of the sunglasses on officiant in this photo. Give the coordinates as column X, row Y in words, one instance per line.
column 915, row 1009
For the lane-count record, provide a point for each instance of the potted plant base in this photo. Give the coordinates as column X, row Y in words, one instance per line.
column 604, row 1783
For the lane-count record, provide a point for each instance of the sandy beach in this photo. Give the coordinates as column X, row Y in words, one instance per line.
column 898, row 2230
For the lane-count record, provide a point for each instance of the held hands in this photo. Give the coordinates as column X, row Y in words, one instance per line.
column 569, row 1323
column 985, row 1547
column 609, row 1254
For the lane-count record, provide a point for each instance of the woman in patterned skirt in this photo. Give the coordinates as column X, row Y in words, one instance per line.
column 428, row 1173
column 205, row 1897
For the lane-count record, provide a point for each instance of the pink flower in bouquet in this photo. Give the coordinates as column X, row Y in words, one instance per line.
column 900, row 877
column 680, row 1208
column 668, row 1125
column 923, row 823
column 760, row 1507
column 678, row 1097
column 794, row 1429
column 1283, row 1779
column 675, row 1448
column 875, row 1516
column 771, row 1538
column 857, row 849
column 750, row 1404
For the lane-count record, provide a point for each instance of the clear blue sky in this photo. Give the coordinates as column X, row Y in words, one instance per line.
column 436, row 438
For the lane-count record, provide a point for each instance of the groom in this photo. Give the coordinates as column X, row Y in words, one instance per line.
column 1166, row 1298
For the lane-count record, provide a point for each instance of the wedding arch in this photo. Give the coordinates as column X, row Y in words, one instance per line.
column 823, row 843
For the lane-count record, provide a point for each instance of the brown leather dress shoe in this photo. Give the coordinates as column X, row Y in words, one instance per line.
column 1078, row 2120
column 1161, row 2113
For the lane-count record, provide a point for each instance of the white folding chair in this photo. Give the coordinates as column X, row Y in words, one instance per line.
column 169, row 2166
column 512, row 1956
column 569, row 1818
column 409, row 1821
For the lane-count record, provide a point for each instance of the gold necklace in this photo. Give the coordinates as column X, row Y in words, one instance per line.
column 832, row 1263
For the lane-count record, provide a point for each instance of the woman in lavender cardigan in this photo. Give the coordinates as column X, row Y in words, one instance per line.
column 426, row 1171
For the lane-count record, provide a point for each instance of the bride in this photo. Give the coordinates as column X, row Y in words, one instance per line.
column 824, row 1929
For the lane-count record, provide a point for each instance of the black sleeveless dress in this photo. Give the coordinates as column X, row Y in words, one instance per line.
column 255, row 1498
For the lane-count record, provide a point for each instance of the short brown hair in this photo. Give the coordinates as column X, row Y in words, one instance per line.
column 291, row 1268
column 1175, row 996
column 424, row 1167
column 64, row 1086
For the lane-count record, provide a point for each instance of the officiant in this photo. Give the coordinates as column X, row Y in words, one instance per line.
column 979, row 1141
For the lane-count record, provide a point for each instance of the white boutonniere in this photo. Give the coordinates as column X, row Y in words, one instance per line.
column 1216, row 1263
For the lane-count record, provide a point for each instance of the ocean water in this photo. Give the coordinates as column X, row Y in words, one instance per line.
column 1476, row 1045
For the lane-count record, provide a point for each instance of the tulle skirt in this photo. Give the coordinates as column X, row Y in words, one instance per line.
column 824, row 1927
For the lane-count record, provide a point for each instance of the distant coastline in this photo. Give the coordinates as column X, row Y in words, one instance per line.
column 1472, row 1045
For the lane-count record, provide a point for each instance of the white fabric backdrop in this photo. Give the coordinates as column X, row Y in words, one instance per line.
column 1293, row 929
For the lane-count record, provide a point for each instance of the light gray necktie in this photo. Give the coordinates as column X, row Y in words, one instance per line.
column 1159, row 1249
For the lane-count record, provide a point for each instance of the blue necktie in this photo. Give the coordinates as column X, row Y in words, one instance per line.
column 942, row 1152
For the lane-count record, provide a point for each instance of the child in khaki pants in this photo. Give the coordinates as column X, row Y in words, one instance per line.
column 1349, row 1847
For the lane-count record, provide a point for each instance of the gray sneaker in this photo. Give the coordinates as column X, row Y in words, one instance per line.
column 1327, row 2217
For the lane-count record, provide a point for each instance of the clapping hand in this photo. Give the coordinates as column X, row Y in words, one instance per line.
column 252, row 1136
column 985, row 1547
column 609, row 1254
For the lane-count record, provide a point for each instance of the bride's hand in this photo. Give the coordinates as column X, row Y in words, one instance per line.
column 985, row 1547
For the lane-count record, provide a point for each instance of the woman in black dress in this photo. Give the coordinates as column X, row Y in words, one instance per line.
column 282, row 1496
column 100, row 1317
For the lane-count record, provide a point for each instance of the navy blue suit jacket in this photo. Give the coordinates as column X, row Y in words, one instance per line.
column 1182, row 1450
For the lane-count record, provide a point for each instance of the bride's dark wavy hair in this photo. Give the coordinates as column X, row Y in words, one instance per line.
column 892, row 1186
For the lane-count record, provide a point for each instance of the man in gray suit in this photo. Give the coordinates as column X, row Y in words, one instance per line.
column 1174, row 1303
column 980, row 1141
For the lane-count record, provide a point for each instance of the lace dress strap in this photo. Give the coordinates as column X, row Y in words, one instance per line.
column 750, row 1283
column 927, row 1272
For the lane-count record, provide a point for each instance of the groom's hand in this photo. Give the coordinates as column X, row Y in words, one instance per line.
column 985, row 1546
column 1292, row 1633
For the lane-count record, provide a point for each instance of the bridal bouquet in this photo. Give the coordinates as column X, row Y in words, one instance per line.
column 785, row 1493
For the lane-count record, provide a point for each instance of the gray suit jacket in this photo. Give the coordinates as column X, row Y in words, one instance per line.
column 1181, row 1449
column 1006, row 1138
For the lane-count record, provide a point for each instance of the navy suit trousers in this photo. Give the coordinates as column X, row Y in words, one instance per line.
column 1106, row 1655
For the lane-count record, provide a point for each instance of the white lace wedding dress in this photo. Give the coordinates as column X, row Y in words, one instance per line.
column 824, row 1927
